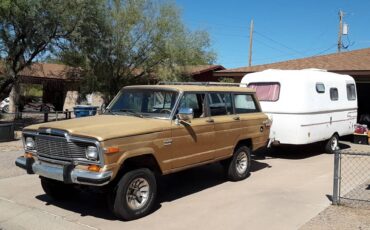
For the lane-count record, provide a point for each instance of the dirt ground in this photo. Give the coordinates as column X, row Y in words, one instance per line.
column 340, row 217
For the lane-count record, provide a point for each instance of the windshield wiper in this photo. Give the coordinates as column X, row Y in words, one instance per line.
column 131, row 112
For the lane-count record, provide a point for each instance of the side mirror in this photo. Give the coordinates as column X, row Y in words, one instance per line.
column 185, row 114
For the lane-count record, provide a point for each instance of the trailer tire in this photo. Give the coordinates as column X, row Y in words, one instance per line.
column 332, row 144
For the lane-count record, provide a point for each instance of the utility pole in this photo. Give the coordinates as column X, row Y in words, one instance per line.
column 341, row 15
column 250, row 42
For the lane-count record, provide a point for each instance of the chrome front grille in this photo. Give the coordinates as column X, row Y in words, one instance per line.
column 58, row 148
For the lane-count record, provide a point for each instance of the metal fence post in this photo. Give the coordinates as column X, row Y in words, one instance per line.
column 46, row 116
column 335, row 200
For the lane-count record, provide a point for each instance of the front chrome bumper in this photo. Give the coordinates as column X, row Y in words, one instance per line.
column 65, row 173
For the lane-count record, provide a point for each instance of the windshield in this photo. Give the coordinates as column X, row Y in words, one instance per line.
column 144, row 103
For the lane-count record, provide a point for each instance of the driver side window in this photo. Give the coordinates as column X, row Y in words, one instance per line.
column 194, row 101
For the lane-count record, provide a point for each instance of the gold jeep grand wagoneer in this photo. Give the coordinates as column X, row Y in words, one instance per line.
column 145, row 132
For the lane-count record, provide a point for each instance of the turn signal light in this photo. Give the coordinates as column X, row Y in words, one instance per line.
column 94, row 168
column 112, row 150
column 268, row 123
column 28, row 155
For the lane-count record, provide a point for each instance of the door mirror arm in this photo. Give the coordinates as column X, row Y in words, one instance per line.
column 184, row 116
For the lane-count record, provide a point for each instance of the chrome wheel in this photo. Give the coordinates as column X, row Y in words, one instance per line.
column 241, row 163
column 137, row 193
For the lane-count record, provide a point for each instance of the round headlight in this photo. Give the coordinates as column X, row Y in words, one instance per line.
column 30, row 143
column 91, row 153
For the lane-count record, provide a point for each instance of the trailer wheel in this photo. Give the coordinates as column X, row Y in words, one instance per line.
column 333, row 144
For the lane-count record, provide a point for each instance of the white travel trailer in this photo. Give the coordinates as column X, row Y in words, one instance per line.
column 306, row 106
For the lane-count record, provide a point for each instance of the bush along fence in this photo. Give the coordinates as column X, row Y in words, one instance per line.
column 352, row 178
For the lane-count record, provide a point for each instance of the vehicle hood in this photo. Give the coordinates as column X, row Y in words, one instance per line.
column 104, row 127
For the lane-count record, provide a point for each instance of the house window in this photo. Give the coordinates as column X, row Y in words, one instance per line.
column 320, row 87
column 351, row 92
column 266, row 91
column 334, row 94
column 244, row 103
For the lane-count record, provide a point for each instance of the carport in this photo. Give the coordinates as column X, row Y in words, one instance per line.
column 56, row 80
column 355, row 63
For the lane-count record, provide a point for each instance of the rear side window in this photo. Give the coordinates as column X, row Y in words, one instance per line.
column 320, row 87
column 334, row 94
column 244, row 103
column 266, row 91
column 220, row 104
column 351, row 92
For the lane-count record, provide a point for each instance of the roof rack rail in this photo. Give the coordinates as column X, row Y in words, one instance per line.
column 200, row 83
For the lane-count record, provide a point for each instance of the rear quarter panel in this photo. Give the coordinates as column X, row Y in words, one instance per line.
column 253, row 127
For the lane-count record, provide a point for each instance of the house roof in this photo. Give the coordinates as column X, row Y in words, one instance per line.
column 198, row 69
column 347, row 62
column 49, row 71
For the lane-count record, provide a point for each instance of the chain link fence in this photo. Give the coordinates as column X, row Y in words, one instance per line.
column 352, row 178
column 22, row 119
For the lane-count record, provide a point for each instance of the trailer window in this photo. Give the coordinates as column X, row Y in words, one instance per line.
column 266, row 91
column 351, row 92
column 334, row 94
column 244, row 103
column 320, row 87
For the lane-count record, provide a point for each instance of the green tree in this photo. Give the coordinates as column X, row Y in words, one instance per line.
column 31, row 29
column 140, row 39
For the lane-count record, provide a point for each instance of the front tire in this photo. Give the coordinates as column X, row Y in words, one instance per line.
column 238, row 167
column 333, row 144
column 134, row 195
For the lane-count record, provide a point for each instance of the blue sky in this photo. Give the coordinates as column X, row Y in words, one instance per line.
column 284, row 29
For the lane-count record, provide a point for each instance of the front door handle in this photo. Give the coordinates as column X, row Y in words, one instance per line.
column 236, row 118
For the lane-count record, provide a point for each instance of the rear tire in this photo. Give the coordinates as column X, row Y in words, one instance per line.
column 332, row 144
column 135, row 194
column 238, row 167
column 58, row 190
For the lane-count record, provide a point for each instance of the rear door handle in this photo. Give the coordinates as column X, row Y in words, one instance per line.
column 210, row 120
column 236, row 118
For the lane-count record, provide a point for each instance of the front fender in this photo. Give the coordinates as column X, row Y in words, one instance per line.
column 136, row 152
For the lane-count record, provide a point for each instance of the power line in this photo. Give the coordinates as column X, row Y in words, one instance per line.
column 242, row 28
column 279, row 43
column 331, row 47
column 231, row 35
column 272, row 47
